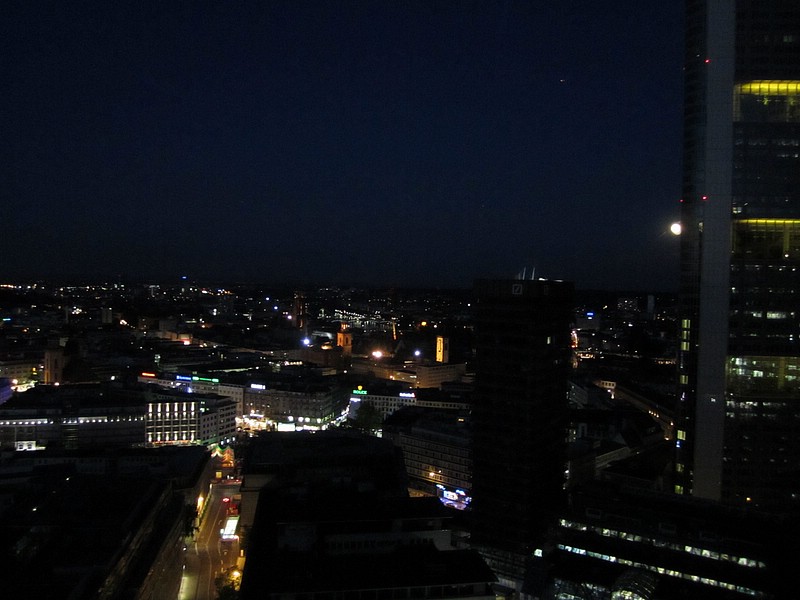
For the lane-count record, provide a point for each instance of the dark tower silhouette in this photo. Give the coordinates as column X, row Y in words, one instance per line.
column 522, row 341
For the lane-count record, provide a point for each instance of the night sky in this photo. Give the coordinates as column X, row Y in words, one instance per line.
column 376, row 143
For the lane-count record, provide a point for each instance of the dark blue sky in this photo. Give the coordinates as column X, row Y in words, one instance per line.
column 402, row 143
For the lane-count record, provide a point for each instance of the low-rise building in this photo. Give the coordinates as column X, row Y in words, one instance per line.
column 388, row 397
column 284, row 403
column 21, row 370
column 175, row 416
column 198, row 384
column 416, row 374
column 71, row 416
column 84, row 415
column 296, row 404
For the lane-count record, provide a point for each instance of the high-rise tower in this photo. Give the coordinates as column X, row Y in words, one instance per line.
column 519, row 417
column 738, row 426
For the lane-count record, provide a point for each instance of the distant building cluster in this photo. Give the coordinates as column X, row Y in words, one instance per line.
column 520, row 416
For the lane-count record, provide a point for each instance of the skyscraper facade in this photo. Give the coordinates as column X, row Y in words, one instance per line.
column 522, row 343
column 738, row 426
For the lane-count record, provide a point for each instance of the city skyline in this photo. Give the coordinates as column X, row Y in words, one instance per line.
column 412, row 144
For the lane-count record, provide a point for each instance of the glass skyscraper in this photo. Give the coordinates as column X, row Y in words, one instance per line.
column 738, row 426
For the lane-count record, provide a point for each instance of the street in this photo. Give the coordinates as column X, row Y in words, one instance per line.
column 207, row 556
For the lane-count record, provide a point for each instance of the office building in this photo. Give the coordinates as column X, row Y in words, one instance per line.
column 739, row 362
column 520, row 415
column 178, row 417
column 436, row 447
column 682, row 547
column 110, row 415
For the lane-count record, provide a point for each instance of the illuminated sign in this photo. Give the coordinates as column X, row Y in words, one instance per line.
column 257, row 386
column 196, row 378
column 407, row 395
column 456, row 499
column 361, row 392
column 148, row 374
column 182, row 378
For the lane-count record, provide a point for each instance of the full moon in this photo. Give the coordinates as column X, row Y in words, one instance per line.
column 675, row 228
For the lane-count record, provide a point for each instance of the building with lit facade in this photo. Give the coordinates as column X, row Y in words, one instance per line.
column 418, row 374
column 86, row 415
column 437, row 450
column 519, row 418
column 682, row 547
column 296, row 404
column 70, row 417
column 180, row 417
column 21, row 370
column 198, row 383
column 739, row 361
column 282, row 403
column 387, row 397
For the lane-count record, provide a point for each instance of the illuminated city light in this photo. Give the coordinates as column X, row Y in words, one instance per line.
column 676, row 229
column 769, row 88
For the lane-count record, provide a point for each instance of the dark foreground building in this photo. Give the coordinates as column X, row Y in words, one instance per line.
column 107, row 524
column 520, row 416
column 354, row 546
column 332, row 519
column 739, row 362
column 675, row 547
